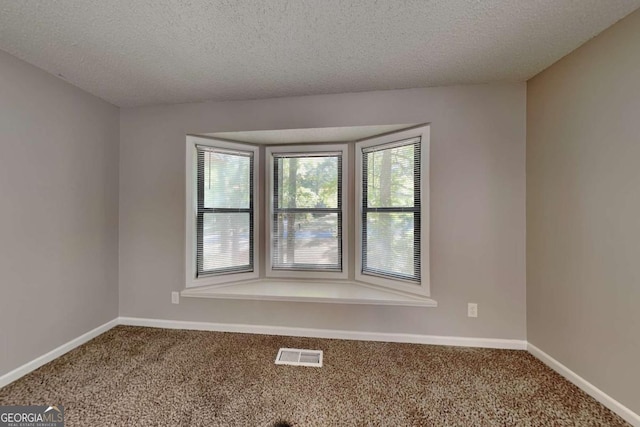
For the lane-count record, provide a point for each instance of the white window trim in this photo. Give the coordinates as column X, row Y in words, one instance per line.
column 397, row 284
column 326, row 287
column 316, row 291
column 329, row 275
column 192, row 208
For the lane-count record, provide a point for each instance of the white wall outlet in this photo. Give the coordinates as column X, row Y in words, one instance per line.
column 175, row 297
column 472, row 309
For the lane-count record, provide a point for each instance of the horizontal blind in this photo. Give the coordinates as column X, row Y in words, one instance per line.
column 225, row 211
column 307, row 212
column 391, row 210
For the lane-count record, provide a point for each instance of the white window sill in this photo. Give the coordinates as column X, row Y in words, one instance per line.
column 305, row 291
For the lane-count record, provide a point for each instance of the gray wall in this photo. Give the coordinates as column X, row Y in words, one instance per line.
column 477, row 207
column 583, row 211
column 58, row 212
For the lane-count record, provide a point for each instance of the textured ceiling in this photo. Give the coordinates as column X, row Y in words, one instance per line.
column 141, row 52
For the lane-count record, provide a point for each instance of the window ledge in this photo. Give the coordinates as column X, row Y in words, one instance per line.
column 305, row 291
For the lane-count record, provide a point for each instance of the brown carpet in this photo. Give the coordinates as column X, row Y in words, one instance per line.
column 132, row 376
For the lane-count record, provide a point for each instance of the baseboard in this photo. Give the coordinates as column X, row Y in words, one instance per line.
column 263, row 330
column 328, row 333
column 625, row 413
column 11, row 376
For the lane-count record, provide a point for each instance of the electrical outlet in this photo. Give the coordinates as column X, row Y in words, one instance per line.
column 175, row 297
column 472, row 309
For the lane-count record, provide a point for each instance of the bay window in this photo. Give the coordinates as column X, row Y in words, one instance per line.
column 322, row 204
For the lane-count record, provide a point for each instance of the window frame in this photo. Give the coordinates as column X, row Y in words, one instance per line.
column 281, row 284
column 423, row 287
column 271, row 272
column 192, row 279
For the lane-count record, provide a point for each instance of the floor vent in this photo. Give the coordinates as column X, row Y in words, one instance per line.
column 299, row 357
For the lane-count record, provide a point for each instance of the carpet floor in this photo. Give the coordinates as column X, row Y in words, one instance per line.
column 133, row 376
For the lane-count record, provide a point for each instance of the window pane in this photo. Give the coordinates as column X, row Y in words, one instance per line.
column 307, row 182
column 226, row 180
column 306, row 240
column 390, row 177
column 225, row 241
column 389, row 248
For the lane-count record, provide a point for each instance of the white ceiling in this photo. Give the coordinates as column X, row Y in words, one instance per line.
column 308, row 135
column 141, row 52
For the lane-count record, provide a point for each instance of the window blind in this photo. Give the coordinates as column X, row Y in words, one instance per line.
column 225, row 211
column 307, row 212
column 391, row 210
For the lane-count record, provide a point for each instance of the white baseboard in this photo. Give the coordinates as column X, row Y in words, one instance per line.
column 625, row 413
column 263, row 330
column 23, row 370
column 328, row 333
column 587, row 387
